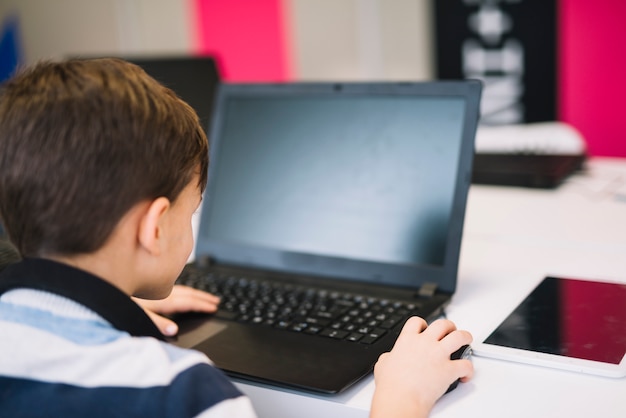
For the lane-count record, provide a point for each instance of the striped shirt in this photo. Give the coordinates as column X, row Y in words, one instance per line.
column 60, row 357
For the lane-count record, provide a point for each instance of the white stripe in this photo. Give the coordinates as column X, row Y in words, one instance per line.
column 50, row 302
column 127, row 362
column 240, row 407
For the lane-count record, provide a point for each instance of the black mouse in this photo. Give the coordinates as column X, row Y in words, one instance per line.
column 465, row 352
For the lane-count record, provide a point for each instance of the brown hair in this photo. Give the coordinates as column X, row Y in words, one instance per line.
column 81, row 142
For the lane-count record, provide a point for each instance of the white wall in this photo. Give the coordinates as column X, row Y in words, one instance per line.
column 331, row 39
column 59, row 28
column 363, row 39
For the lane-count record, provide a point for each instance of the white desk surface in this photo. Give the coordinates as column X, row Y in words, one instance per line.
column 513, row 237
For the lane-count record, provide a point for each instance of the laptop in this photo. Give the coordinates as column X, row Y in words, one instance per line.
column 333, row 212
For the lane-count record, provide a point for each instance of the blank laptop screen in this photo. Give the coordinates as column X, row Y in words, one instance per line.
column 363, row 178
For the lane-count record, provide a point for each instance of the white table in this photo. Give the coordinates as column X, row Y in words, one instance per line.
column 513, row 237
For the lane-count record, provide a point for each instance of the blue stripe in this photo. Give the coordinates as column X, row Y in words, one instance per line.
column 79, row 331
column 192, row 392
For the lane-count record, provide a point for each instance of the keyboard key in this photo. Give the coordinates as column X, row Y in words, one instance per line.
column 324, row 314
column 334, row 333
column 313, row 329
column 390, row 322
column 370, row 338
column 282, row 324
column 298, row 327
column 354, row 337
column 314, row 321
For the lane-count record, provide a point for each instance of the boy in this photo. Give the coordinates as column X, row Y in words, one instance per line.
column 101, row 169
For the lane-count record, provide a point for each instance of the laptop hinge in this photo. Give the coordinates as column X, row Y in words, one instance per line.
column 427, row 290
column 204, row 261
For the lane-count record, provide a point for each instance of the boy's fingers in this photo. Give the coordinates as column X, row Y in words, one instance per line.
column 440, row 329
column 414, row 324
column 165, row 325
column 190, row 292
column 182, row 299
column 465, row 369
column 195, row 305
column 186, row 298
column 454, row 340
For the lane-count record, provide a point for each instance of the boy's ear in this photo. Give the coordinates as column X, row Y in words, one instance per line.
column 150, row 226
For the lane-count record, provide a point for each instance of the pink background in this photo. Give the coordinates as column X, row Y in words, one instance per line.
column 247, row 38
column 251, row 42
column 592, row 73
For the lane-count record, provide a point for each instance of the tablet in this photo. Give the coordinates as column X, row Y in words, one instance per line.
column 571, row 324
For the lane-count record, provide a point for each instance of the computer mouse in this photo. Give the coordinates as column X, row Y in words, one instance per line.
column 465, row 352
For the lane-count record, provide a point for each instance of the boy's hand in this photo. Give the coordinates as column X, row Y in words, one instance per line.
column 182, row 299
column 418, row 370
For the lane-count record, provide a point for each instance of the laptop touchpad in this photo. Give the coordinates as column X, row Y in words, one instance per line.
column 193, row 331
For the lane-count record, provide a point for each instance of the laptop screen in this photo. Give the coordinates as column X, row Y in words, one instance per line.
column 355, row 183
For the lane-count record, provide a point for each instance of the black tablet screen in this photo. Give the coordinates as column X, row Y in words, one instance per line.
column 568, row 317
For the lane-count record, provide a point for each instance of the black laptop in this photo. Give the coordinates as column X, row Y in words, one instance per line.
column 333, row 212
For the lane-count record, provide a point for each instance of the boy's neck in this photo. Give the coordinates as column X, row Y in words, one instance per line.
column 102, row 267
column 117, row 261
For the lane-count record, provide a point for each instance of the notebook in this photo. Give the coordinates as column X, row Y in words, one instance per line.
column 337, row 210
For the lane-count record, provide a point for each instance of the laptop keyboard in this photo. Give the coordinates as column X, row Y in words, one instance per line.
column 330, row 314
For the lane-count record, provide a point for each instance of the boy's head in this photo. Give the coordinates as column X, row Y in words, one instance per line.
column 82, row 142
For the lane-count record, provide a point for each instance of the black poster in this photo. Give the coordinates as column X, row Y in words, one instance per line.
column 508, row 44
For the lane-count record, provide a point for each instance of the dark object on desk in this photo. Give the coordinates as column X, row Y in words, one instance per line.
column 8, row 254
column 463, row 353
column 524, row 170
column 332, row 213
